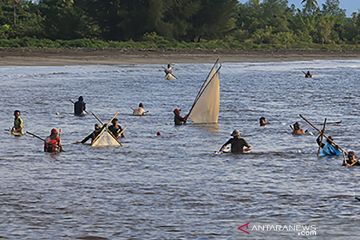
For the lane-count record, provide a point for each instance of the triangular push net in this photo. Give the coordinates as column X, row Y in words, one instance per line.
column 206, row 106
column 105, row 138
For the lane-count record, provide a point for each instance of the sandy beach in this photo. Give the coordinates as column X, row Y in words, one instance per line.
column 54, row 57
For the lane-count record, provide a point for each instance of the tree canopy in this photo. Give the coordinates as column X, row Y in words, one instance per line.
column 261, row 22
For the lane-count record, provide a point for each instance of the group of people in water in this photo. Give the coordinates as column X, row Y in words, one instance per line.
column 329, row 147
column 52, row 143
column 115, row 129
column 238, row 145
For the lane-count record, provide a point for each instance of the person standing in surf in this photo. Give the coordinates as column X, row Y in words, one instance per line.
column 79, row 107
column 140, row 111
column 52, row 143
column 238, row 144
column 18, row 123
column 178, row 119
column 169, row 69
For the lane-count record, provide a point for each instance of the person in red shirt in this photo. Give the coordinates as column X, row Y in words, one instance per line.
column 52, row 143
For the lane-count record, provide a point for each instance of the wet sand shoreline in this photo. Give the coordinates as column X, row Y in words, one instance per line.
column 61, row 57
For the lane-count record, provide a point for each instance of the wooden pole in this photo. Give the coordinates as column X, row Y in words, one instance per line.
column 321, row 138
column 332, row 141
column 36, row 136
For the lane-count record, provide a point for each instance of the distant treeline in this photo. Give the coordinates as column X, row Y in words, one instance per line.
column 218, row 23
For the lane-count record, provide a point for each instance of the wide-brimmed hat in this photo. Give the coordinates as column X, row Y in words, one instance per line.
column 235, row 133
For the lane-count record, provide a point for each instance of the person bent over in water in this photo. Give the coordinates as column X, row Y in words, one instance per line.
column 178, row 119
column 238, row 144
column 93, row 135
column 52, row 143
column 297, row 129
column 329, row 148
column 18, row 123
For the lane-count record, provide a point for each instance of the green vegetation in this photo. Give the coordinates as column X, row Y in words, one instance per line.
column 177, row 24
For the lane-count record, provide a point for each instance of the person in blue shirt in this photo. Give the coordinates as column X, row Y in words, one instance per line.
column 329, row 148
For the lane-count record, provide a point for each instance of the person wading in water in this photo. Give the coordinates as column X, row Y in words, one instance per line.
column 238, row 144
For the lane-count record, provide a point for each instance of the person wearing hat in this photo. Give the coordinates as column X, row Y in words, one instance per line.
column 18, row 123
column 93, row 135
column 351, row 160
column 297, row 129
column 140, row 111
column 52, row 143
column 329, row 148
column 263, row 121
column 116, row 129
column 178, row 119
column 79, row 107
column 238, row 144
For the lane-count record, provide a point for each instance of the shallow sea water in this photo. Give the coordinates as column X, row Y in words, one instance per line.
column 173, row 186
